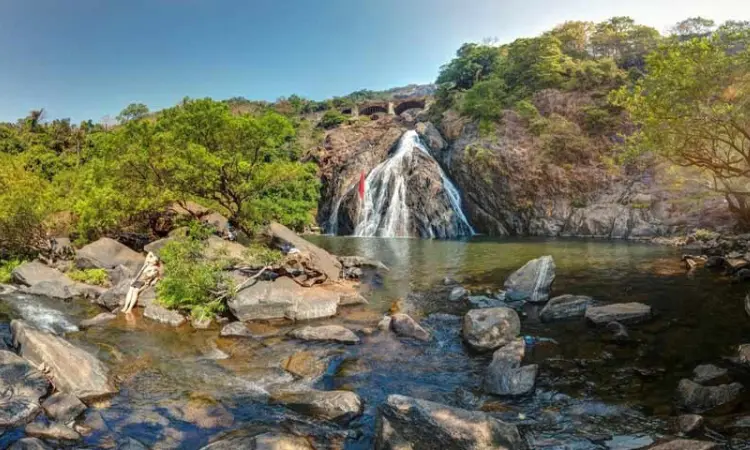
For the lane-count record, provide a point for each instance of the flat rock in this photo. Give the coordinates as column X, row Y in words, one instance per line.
column 28, row 443
column 54, row 431
column 335, row 333
column 533, row 281
column 57, row 289
column 218, row 248
column 72, row 369
column 414, row 424
column 35, row 272
column 506, row 376
column 359, row 261
column 107, row 253
column 158, row 313
column 710, row 375
column 696, row 398
column 565, row 307
column 284, row 298
column 689, row 423
column 490, row 328
column 63, row 407
column 340, row 406
column 21, row 386
column 618, row 312
column 404, row 325
column 321, row 259
column 307, row 364
column 97, row 321
column 686, row 444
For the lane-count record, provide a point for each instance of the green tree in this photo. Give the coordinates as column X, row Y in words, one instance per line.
column 693, row 27
column 133, row 111
column 473, row 63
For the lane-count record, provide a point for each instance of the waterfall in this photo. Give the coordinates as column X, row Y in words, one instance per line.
column 385, row 212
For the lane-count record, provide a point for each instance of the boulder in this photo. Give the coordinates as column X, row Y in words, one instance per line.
column 53, row 289
column 385, row 323
column 412, row 424
column 505, row 376
column 533, row 281
column 63, row 407
column 21, row 386
column 335, row 333
column 283, row 298
column 686, row 444
column 710, row 375
column 72, row 369
column 307, row 364
column 349, row 262
column 743, row 352
column 235, row 329
column 689, row 423
column 35, row 272
column 218, row 248
column 458, row 293
column 265, row 441
column 431, row 136
column 28, row 443
column 404, row 325
column 341, row 406
column 565, row 307
column 618, row 312
column 695, row 398
column 107, row 253
column 156, row 246
column 158, row 313
column 490, row 328
column 321, row 259
column 97, row 321
column 119, row 274
column 54, row 431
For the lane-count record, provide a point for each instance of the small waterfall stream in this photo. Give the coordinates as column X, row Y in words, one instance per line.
column 385, row 211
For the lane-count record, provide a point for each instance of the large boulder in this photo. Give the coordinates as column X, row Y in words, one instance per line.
column 334, row 333
column 431, row 136
column 21, row 386
column 340, row 406
column 404, row 325
column 710, row 375
column 35, row 272
column 618, row 312
column 490, row 328
column 72, row 369
column 57, row 289
column 505, row 376
column 565, row 307
column 407, row 423
column 107, row 253
column 533, row 281
column 284, row 298
column 695, row 398
column 321, row 259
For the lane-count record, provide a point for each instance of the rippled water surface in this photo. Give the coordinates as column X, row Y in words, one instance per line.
column 179, row 389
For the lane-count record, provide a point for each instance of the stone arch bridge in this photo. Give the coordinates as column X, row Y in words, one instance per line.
column 386, row 107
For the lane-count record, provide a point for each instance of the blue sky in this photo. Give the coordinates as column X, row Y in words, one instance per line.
column 89, row 58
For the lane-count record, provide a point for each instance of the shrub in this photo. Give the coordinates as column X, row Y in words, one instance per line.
column 259, row 255
column 6, row 267
column 702, row 234
column 97, row 277
column 331, row 119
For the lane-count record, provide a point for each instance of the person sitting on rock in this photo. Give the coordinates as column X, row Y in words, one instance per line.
column 147, row 276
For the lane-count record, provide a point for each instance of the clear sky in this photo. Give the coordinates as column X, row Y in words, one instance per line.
column 89, row 58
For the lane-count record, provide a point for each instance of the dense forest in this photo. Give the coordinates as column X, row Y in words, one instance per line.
column 683, row 97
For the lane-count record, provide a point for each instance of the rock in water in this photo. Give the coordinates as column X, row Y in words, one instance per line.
column 689, row 423
column 73, row 370
column 458, row 293
column 505, row 376
column 28, row 444
column 618, row 312
column 98, row 320
column 63, row 407
column 404, row 325
column 321, row 259
column 107, row 253
column 414, row 424
column 695, row 398
column 341, row 406
column 161, row 314
column 21, row 386
column 532, row 282
column 565, row 307
column 490, row 328
column 265, row 441
column 686, row 444
column 55, row 431
column 335, row 333
column 284, row 298
column 710, row 375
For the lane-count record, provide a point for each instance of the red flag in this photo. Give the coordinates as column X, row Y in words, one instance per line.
column 362, row 186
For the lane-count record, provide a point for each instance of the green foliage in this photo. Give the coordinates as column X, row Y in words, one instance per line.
column 331, row 119
column 473, row 63
column 260, row 255
column 96, row 277
column 134, row 111
column 704, row 235
column 7, row 267
column 486, row 100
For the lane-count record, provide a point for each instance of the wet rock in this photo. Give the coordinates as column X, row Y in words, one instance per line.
column 689, row 423
column 307, row 364
column 107, row 253
column 686, row 444
column 404, row 325
column 131, row 444
column 744, row 354
column 532, row 282
column 714, row 261
column 341, row 406
column 283, row 298
column 21, row 386
column 6, row 340
column 265, row 441
column 160, row 314
column 505, row 376
column 385, row 324
column 695, row 398
column 96, row 321
column 710, row 375
column 431, row 136
column 481, row 301
column 359, row 261
column 236, row 329
column 732, row 265
column 414, row 424
column 63, row 407
column 490, row 328
column 616, row 332
column 618, row 312
column 565, row 307
column 628, row 442
column 72, row 369
column 114, row 296
column 201, row 324
column 458, row 293
column 54, row 431
column 335, row 333
column 321, row 259
column 28, row 443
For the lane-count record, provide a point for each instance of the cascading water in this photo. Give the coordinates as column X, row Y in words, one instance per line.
column 385, row 209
